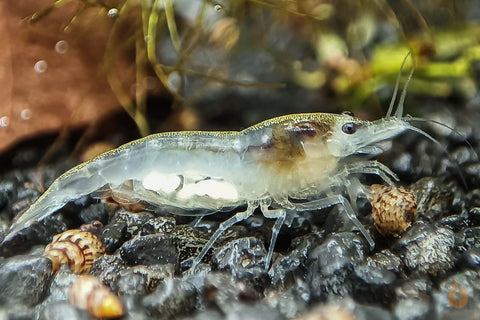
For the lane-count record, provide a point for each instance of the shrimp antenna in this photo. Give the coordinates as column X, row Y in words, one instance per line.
column 449, row 128
column 399, row 112
column 395, row 91
column 423, row 133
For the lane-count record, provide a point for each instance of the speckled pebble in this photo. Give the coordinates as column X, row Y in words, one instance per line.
column 108, row 268
column 427, row 249
column 388, row 261
column 434, row 199
column 144, row 222
column 150, row 249
column 25, row 280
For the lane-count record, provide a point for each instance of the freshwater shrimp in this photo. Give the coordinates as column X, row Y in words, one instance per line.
column 312, row 157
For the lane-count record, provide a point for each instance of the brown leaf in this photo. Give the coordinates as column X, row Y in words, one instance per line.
column 50, row 78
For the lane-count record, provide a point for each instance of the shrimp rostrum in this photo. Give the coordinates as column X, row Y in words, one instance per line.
column 266, row 166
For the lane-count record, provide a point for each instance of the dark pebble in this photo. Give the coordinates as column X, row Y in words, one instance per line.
column 7, row 191
column 247, row 311
column 474, row 216
column 470, row 280
column 222, row 289
column 175, row 298
column 97, row 211
column 344, row 250
column 413, row 299
column 150, row 249
column 467, row 239
column 472, row 175
column 131, row 283
column 373, row 285
column 39, row 233
column 62, row 311
column 469, row 259
column 25, row 280
column 455, row 222
column 244, row 257
column 62, row 280
column 366, row 312
column 233, row 297
column 142, row 279
column 473, row 200
column 207, row 315
column 331, row 265
column 114, row 235
column 285, row 268
column 292, row 302
column 17, row 312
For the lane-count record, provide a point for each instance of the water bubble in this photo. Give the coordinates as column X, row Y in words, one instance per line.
column 61, row 46
column 26, row 114
column 40, row 66
column 113, row 13
column 4, row 121
column 174, row 81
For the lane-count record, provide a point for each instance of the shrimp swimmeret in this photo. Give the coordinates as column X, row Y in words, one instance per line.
column 268, row 165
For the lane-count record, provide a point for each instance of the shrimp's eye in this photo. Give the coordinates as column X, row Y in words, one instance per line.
column 349, row 128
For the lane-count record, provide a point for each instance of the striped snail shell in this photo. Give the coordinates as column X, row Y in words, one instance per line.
column 77, row 248
column 393, row 209
column 90, row 294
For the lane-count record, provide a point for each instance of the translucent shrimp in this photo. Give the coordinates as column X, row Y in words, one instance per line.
column 268, row 165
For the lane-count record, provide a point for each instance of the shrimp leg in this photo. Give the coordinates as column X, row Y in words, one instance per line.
column 240, row 216
column 331, row 201
column 280, row 215
column 375, row 168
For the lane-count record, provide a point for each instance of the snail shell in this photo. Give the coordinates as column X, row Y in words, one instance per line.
column 77, row 248
column 90, row 294
column 393, row 209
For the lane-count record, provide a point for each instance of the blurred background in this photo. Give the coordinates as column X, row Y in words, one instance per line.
column 80, row 77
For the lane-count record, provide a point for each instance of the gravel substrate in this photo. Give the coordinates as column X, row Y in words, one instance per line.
column 321, row 268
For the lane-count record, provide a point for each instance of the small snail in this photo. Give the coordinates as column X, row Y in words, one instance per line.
column 78, row 248
column 393, row 209
column 90, row 294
